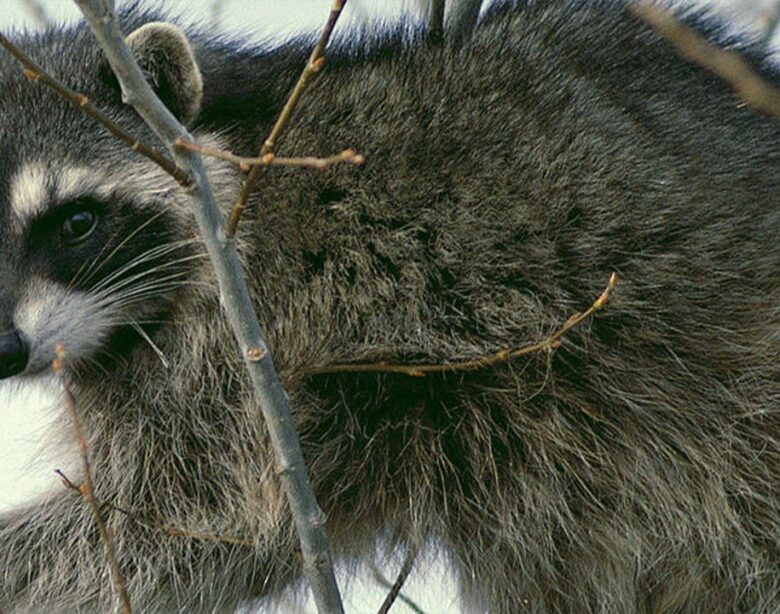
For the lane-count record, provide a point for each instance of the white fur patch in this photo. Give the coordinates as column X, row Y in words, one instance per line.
column 29, row 192
column 48, row 314
column 37, row 186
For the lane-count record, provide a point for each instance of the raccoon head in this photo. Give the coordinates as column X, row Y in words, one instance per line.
column 96, row 242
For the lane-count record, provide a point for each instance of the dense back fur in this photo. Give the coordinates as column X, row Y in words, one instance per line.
column 636, row 468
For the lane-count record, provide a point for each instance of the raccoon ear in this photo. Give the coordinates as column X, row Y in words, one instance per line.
column 165, row 55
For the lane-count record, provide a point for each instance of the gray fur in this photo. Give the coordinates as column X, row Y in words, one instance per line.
column 635, row 469
column 165, row 55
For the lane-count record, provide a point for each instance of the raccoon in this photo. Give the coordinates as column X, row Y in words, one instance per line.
column 636, row 468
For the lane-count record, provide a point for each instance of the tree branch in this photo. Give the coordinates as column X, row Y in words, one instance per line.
column 34, row 72
column 313, row 66
column 729, row 65
column 395, row 587
column 87, row 490
column 772, row 22
column 38, row 12
column 462, row 18
column 421, row 370
column 436, row 22
column 158, row 526
column 270, row 159
column 308, row 517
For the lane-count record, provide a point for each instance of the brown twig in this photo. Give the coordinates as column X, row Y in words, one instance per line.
column 436, row 23
column 216, row 10
column 771, row 25
column 34, row 72
column 421, row 370
column 729, row 65
column 272, row 400
column 87, row 489
column 37, row 11
column 312, row 67
column 395, row 588
column 164, row 528
column 270, row 159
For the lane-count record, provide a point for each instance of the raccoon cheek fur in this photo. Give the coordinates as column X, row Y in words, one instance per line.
column 634, row 469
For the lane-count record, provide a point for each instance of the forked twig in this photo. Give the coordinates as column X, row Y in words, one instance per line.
column 436, row 21
column 87, row 490
column 462, row 18
column 395, row 588
column 34, row 72
column 216, row 10
column 729, row 65
column 38, row 12
column 772, row 24
column 421, row 370
column 270, row 159
column 312, row 67
column 164, row 528
column 236, row 301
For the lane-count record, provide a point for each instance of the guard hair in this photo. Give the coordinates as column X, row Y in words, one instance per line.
column 634, row 468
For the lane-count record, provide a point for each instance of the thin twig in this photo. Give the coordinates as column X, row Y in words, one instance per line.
column 37, row 11
column 273, row 400
column 421, row 370
column 87, row 489
column 772, row 23
column 312, row 67
column 34, row 72
column 395, row 588
column 164, row 528
column 462, row 18
column 729, row 65
column 436, row 23
column 216, row 10
column 348, row 155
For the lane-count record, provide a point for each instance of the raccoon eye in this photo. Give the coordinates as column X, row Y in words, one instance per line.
column 78, row 226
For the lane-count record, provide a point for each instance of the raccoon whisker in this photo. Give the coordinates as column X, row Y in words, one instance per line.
column 94, row 363
column 138, row 280
column 121, row 283
column 97, row 263
column 113, row 356
column 139, row 329
column 135, row 298
column 123, row 289
column 130, row 322
column 139, row 294
column 90, row 271
column 156, row 252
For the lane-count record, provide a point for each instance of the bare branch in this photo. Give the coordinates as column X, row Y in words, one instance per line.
column 170, row 530
column 308, row 517
column 462, row 18
column 37, row 11
column 87, row 490
column 312, row 67
column 395, row 588
column 270, row 159
column 34, row 72
column 421, row 370
column 772, row 23
column 216, row 9
column 729, row 65
column 436, row 21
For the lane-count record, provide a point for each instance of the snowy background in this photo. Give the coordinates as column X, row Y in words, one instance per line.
column 25, row 412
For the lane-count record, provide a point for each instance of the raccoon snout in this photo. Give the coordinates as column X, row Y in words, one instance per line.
column 14, row 354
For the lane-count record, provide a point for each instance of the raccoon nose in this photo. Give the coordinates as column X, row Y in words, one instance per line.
column 13, row 354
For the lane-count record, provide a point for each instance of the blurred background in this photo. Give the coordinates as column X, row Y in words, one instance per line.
column 27, row 411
